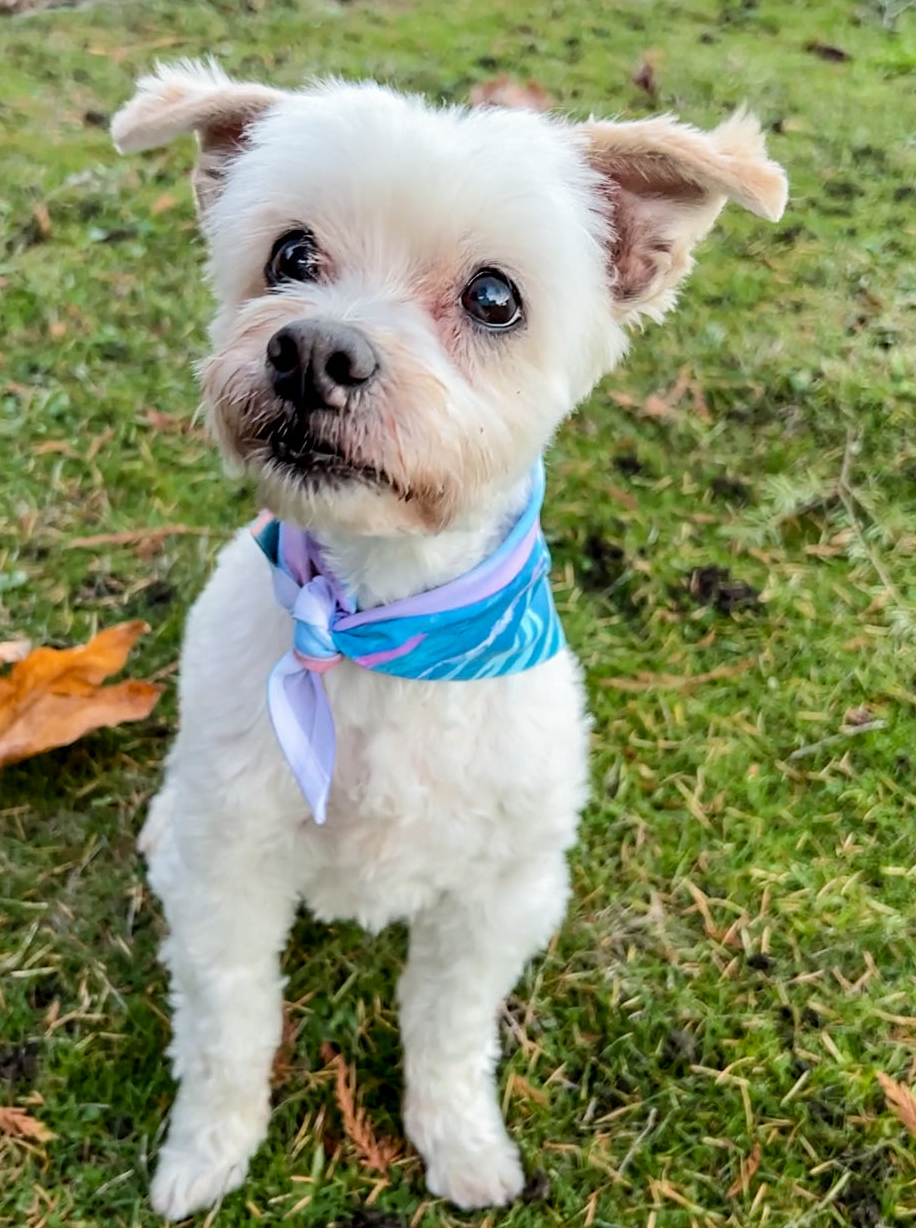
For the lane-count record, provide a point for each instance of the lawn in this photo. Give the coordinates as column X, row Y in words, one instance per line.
column 734, row 537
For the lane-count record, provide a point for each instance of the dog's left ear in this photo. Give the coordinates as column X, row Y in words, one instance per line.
column 193, row 97
column 665, row 183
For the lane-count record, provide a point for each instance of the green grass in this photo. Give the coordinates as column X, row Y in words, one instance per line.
column 740, row 957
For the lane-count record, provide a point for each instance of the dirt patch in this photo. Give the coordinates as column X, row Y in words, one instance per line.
column 714, row 586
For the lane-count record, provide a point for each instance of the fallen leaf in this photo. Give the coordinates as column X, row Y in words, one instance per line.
column 170, row 423
column 519, row 1088
column 18, row 1124
column 900, row 1100
column 42, row 220
column 54, row 696
column 644, row 78
column 376, row 1153
column 700, row 405
column 623, row 497
column 99, row 442
column 824, row 550
column 505, row 91
column 14, row 650
column 748, row 1167
column 163, row 202
column 663, row 406
column 623, row 399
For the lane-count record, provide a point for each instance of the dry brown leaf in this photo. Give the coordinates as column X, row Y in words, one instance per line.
column 164, row 202
column 644, row 78
column 748, row 1168
column 700, row 404
column 505, row 91
column 42, row 220
column 900, row 1100
column 623, row 497
column 623, row 399
column 520, row 1088
column 376, row 1153
column 52, row 697
column 14, row 650
column 18, row 1124
column 664, row 406
column 176, row 424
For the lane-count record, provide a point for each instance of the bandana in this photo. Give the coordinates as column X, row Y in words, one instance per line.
column 498, row 618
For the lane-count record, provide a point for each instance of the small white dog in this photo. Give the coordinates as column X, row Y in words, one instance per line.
column 411, row 300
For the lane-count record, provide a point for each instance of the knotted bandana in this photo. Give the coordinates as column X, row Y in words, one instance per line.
column 498, row 618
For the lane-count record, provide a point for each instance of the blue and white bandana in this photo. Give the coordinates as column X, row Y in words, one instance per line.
column 499, row 618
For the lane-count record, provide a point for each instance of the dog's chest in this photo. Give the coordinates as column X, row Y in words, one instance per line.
column 439, row 783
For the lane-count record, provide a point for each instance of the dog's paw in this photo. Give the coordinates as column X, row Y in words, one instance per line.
column 193, row 1174
column 476, row 1173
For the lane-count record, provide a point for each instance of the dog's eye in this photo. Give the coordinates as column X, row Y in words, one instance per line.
column 492, row 299
column 294, row 258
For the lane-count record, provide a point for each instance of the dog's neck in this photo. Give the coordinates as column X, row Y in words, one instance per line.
column 379, row 570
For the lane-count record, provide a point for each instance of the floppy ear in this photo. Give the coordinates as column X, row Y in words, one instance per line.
column 193, row 97
column 665, row 183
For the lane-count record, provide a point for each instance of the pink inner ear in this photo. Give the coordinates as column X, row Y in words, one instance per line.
column 638, row 247
column 222, row 139
column 226, row 133
column 649, row 207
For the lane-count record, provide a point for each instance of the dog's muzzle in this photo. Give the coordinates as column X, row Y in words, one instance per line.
column 318, row 364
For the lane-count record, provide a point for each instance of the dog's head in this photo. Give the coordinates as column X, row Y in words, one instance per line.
column 411, row 299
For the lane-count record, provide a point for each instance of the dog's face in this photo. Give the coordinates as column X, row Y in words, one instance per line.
column 411, row 299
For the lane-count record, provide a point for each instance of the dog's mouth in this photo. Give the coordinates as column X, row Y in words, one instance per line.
column 302, row 446
column 316, row 461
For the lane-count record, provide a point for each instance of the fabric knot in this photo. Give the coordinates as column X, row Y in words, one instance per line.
column 313, row 612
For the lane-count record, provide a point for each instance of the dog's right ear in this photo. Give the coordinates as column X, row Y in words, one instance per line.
column 193, row 97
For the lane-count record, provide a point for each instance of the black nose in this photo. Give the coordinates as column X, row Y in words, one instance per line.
column 317, row 363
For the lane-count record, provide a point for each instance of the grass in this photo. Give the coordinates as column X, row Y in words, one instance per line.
column 740, row 959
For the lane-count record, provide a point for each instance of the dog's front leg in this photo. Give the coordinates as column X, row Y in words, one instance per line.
column 228, row 918
column 465, row 955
